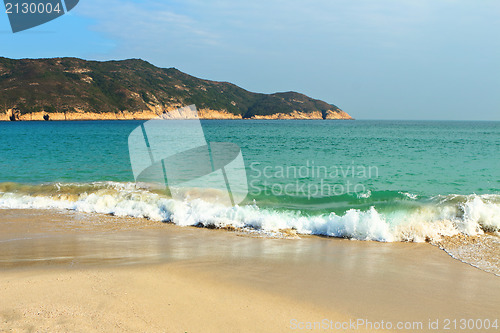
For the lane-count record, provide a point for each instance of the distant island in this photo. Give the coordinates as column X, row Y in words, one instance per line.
column 76, row 89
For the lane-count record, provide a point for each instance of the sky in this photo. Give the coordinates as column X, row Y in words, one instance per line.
column 375, row 59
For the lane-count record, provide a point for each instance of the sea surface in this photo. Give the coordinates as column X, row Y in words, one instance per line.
column 365, row 180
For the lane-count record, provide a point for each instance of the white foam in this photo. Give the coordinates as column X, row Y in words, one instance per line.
column 470, row 215
column 365, row 195
column 482, row 212
column 410, row 195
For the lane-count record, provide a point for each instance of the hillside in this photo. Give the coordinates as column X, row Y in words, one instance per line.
column 70, row 88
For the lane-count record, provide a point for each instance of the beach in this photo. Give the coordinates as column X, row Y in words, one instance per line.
column 347, row 226
column 264, row 166
column 69, row 271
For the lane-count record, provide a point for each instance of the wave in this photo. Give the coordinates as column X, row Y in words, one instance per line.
column 409, row 219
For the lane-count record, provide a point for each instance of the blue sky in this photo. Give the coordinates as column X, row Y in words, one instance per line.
column 375, row 59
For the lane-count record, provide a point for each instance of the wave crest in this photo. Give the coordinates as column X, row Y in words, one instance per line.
column 446, row 215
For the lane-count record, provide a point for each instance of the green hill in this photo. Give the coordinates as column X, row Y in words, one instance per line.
column 74, row 85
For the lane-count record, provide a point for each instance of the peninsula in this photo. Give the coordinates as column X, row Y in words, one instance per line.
column 76, row 89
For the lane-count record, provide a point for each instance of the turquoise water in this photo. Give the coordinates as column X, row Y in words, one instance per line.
column 361, row 179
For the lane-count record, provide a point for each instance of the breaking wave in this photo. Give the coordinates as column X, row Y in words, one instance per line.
column 408, row 218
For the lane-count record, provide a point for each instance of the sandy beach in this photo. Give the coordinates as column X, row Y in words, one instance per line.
column 250, row 166
column 65, row 271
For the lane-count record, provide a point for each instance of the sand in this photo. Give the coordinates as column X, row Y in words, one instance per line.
column 63, row 271
column 481, row 251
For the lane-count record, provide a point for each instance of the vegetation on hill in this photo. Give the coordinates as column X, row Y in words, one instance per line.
column 71, row 84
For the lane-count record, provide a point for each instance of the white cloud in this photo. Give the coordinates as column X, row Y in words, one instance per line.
column 146, row 25
column 386, row 48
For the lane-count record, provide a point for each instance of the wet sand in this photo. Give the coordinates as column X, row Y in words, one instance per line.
column 66, row 271
column 482, row 251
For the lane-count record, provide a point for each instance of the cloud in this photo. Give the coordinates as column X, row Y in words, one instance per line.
column 224, row 23
column 145, row 25
column 387, row 51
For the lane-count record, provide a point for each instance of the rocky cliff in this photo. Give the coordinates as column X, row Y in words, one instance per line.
column 76, row 89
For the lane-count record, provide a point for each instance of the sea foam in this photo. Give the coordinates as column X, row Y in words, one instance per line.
column 447, row 215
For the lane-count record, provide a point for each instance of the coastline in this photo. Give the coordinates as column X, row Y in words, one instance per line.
column 73, row 271
column 204, row 114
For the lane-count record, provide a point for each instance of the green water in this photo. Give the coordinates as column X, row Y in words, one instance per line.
column 419, row 157
column 397, row 166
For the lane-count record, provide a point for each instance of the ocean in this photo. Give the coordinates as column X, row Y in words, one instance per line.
column 365, row 180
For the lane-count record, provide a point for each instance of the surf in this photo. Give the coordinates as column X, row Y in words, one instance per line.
column 388, row 216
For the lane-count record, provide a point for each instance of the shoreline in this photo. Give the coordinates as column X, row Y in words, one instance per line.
column 157, row 117
column 204, row 114
column 74, row 269
column 145, row 119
